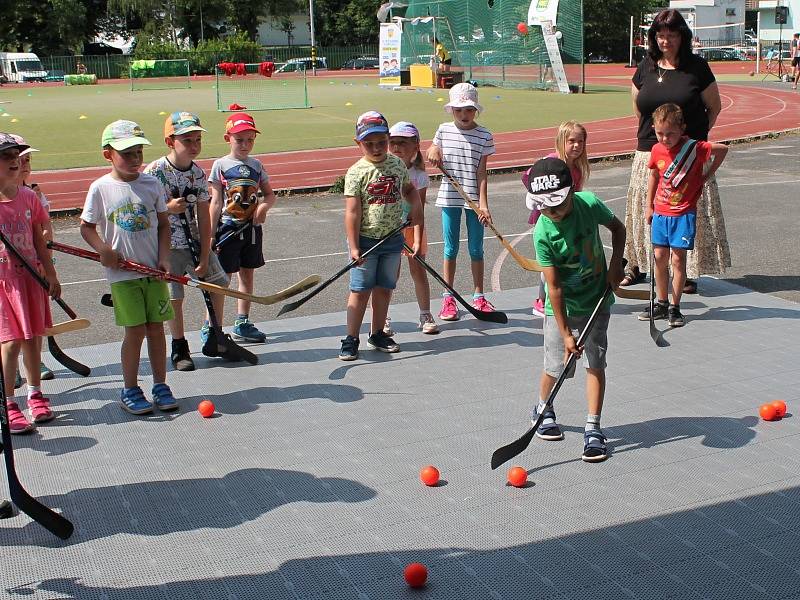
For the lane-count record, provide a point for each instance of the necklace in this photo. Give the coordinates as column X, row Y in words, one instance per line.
column 661, row 74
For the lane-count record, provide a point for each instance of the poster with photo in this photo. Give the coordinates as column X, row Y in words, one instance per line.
column 389, row 54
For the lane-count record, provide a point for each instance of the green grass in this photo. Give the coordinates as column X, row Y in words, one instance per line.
column 49, row 117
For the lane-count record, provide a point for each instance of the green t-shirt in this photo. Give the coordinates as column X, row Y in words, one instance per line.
column 574, row 247
column 379, row 186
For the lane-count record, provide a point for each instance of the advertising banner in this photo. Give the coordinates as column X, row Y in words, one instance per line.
column 389, row 54
column 542, row 10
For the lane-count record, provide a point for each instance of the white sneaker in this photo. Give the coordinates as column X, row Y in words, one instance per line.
column 427, row 324
column 387, row 328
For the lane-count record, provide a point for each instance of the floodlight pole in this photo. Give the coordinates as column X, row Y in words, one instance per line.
column 313, row 40
column 202, row 37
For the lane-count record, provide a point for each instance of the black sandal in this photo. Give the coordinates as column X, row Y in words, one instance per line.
column 690, row 287
column 632, row 278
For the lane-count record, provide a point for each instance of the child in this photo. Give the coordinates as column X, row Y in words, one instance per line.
column 571, row 148
column 404, row 144
column 236, row 180
column 130, row 207
column 185, row 184
column 373, row 189
column 678, row 171
column 24, row 304
column 463, row 147
column 47, row 231
column 568, row 246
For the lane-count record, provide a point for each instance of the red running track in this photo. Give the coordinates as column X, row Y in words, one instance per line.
column 746, row 112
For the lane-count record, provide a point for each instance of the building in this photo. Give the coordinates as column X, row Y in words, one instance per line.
column 771, row 31
column 299, row 34
column 705, row 13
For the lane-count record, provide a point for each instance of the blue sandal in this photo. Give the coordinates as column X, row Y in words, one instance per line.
column 547, row 431
column 594, row 446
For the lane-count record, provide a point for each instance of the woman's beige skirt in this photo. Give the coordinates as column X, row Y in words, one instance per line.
column 711, row 254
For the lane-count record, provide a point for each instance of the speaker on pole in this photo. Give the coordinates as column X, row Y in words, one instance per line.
column 781, row 15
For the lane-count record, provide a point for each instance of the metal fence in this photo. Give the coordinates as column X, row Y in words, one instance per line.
column 116, row 66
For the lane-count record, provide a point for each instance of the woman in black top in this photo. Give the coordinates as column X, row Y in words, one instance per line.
column 672, row 73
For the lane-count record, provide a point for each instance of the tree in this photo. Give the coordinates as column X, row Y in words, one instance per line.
column 607, row 25
column 346, row 22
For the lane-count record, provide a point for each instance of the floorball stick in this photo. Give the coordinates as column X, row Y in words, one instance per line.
column 506, row 453
column 129, row 265
column 529, row 264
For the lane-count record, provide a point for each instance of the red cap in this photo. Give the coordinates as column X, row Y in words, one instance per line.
column 239, row 122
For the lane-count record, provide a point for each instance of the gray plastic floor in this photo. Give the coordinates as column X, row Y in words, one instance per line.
column 305, row 486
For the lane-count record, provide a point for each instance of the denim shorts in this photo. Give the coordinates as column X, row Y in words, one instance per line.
column 674, row 232
column 594, row 349
column 381, row 267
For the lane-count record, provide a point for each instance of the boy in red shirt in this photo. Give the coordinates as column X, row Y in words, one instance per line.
column 679, row 167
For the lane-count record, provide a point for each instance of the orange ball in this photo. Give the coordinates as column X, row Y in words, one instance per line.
column 517, row 476
column 780, row 408
column 768, row 412
column 206, row 408
column 429, row 475
column 416, row 574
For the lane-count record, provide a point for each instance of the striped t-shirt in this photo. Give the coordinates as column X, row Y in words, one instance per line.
column 462, row 151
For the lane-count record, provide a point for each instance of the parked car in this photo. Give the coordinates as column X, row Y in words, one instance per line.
column 100, row 49
column 293, row 65
column 598, row 58
column 724, row 53
column 362, row 62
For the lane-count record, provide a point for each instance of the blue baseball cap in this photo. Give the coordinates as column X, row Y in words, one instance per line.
column 371, row 122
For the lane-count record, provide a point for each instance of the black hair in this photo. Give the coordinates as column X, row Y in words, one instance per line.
column 672, row 20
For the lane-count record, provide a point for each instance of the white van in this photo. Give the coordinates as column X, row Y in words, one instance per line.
column 21, row 67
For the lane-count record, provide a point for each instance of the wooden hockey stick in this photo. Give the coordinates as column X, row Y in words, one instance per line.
column 621, row 292
column 298, row 303
column 506, row 453
column 129, row 265
column 47, row 518
column 529, row 264
column 70, row 363
column 67, row 326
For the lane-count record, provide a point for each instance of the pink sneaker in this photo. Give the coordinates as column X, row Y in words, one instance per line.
column 449, row 310
column 40, row 408
column 538, row 307
column 482, row 304
column 17, row 422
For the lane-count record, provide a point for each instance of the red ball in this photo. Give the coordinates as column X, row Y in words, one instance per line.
column 429, row 475
column 780, row 408
column 416, row 574
column 206, row 408
column 522, row 28
column 517, row 476
column 768, row 412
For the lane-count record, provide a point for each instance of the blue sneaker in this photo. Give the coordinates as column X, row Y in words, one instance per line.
column 205, row 330
column 134, row 402
column 245, row 331
column 163, row 398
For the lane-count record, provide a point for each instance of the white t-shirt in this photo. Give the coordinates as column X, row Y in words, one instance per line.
column 420, row 180
column 126, row 214
column 462, row 151
column 190, row 184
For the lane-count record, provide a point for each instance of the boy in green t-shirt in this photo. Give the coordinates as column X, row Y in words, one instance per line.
column 568, row 246
column 373, row 189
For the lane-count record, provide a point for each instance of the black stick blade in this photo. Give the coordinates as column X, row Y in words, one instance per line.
column 69, row 362
column 506, row 453
column 56, row 524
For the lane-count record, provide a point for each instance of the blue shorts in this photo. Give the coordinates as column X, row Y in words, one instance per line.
column 381, row 267
column 674, row 232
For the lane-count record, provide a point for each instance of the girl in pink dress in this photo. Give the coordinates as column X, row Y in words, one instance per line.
column 24, row 303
